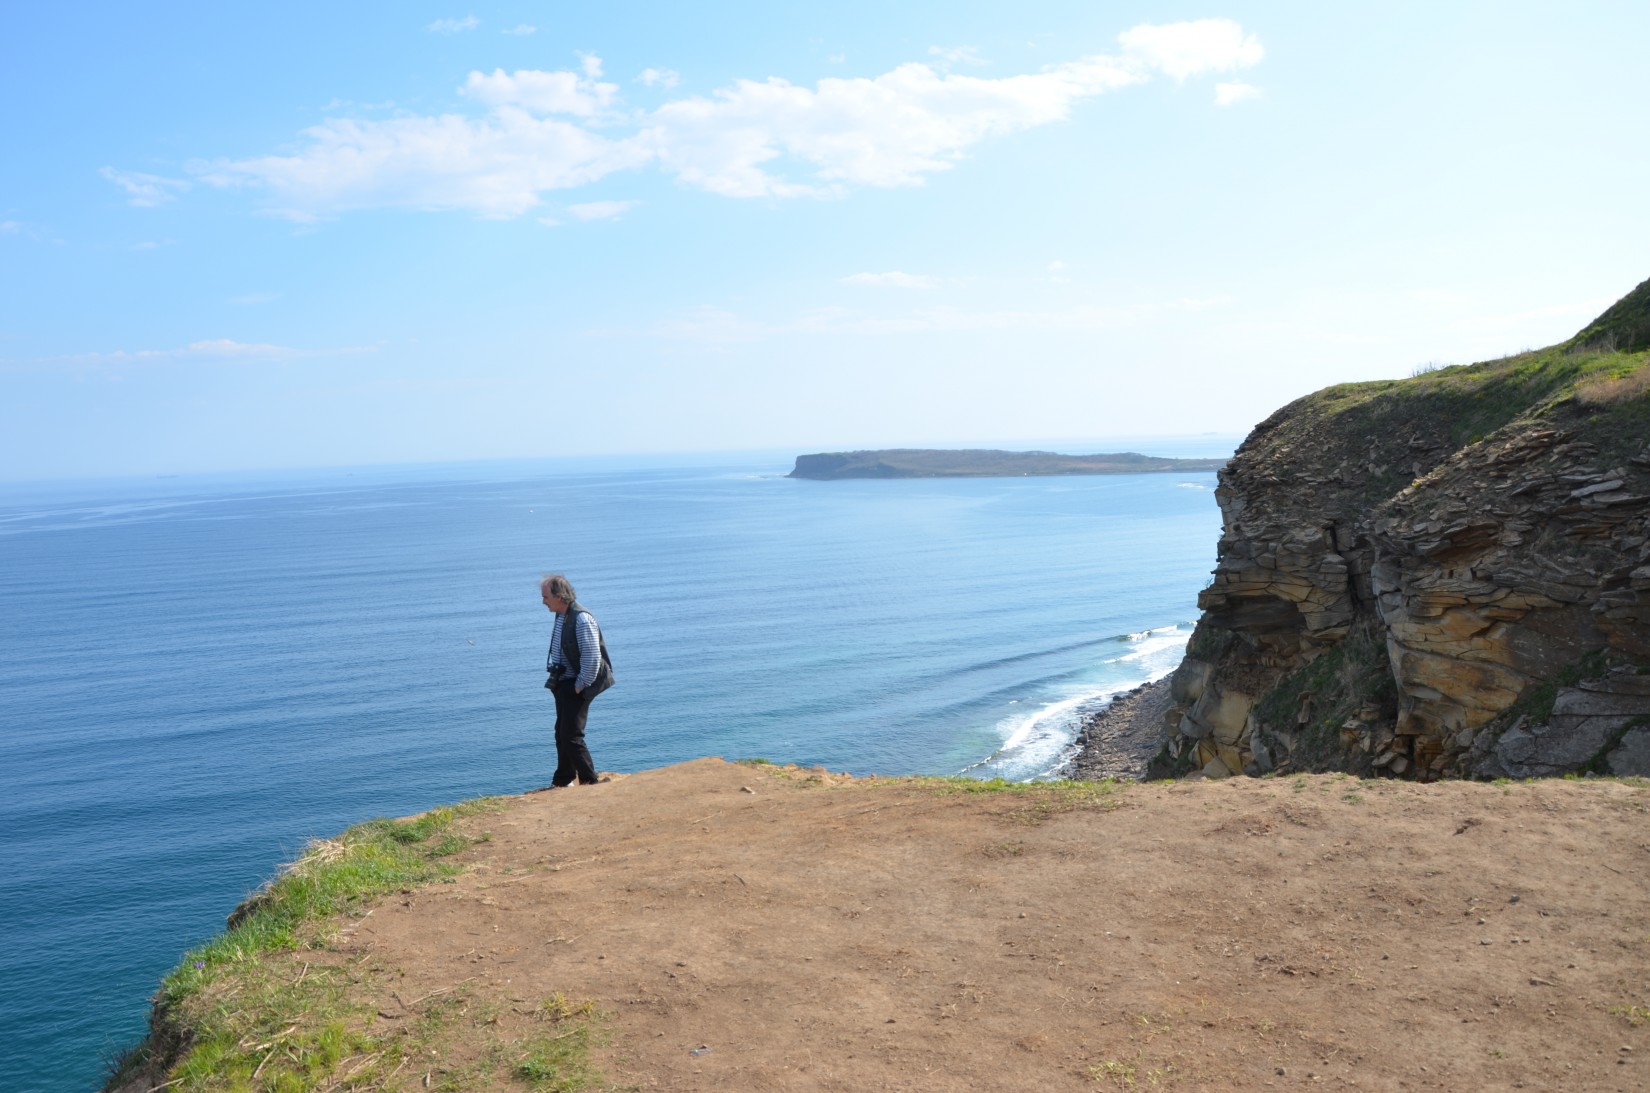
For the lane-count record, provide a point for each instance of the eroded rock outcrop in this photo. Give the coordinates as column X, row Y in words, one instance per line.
column 1447, row 575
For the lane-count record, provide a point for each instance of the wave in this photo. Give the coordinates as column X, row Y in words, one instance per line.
column 1038, row 743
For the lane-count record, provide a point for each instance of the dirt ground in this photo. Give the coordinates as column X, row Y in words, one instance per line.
column 751, row 928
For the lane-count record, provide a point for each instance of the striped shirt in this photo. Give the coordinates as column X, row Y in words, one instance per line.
column 590, row 649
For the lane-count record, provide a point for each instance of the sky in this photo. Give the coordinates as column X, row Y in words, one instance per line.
column 303, row 235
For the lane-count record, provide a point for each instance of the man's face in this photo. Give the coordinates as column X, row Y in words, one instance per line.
column 555, row 603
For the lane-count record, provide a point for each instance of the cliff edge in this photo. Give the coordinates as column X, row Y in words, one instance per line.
column 1447, row 575
column 714, row 926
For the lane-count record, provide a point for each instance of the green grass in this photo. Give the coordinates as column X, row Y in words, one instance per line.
column 1633, row 1015
column 334, row 876
column 1601, row 393
column 271, row 1006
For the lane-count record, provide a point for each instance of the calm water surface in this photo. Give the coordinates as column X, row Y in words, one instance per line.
column 198, row 675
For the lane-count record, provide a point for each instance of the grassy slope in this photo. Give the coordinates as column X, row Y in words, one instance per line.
column 274, row 1004
column 1602, row 395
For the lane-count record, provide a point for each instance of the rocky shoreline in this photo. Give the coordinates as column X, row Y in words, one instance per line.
column 1121, row 738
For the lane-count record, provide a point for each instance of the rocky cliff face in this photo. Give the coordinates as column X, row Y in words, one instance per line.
column 1442, row 576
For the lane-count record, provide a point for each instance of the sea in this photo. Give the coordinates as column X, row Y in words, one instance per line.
column 199, row 674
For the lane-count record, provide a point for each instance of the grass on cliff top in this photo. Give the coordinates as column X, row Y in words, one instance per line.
column 1602, row 394
column 1026, row 802
column 272, row 1005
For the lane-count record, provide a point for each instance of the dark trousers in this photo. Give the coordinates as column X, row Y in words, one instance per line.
column 572, row 757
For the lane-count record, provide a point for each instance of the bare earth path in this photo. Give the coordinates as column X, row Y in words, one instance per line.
column 747, row 928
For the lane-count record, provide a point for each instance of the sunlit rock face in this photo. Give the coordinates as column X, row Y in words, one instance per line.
column 1442, row 576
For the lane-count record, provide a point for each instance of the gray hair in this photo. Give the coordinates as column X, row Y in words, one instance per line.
column 558, row 586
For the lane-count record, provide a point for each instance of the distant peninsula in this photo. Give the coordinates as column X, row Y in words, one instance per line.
column 983, row 463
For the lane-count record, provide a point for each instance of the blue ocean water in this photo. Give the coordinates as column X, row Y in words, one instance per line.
column 198, row 675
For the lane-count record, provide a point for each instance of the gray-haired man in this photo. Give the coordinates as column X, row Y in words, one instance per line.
column 579, row 671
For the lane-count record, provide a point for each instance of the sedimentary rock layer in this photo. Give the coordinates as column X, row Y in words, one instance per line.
column 1447, row 575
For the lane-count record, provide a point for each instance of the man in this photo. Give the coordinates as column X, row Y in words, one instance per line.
column 579, row 671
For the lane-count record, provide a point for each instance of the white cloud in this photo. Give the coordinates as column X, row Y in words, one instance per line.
column 1180, row 50
column 891, row 279
column 537, row 92
column 10, row 227
column 546, row 131
column 497, row 167
column 891, row 130
column 959, row 55
column 521, row 30
column 206, row 351
column 453, row 26
column 145, row 191
column 601, row 210
column 659, row 77
column 1226, row 94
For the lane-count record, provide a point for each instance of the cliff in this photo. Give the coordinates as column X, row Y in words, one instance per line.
column 982, row 463
column 1441, row 576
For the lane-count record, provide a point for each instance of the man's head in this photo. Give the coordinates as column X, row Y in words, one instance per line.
column 556, row 592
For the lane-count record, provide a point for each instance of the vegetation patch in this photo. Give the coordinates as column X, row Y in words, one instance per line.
column 274, row 1005
column 1209, row 643
column 1632, row 1014
column 1353, row 675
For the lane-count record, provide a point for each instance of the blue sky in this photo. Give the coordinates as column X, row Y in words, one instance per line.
column 307, row 235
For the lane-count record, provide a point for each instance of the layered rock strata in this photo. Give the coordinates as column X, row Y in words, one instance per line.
column 1395, row 593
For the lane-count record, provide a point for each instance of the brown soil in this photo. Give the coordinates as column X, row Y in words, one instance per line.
column 750, row 928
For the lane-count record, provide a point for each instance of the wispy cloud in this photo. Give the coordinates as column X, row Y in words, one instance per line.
column 659, row 77
column 145, row 191
column 601, row 210
column 891, row 279
column 555, row 130
column 253, row 298
column 453, row 26
column 521, row 30
column 1227, row 94
column 10, row 227
column 205, row 351
column 957, row 55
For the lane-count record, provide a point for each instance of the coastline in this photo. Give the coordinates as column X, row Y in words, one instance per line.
column 1122, row 737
